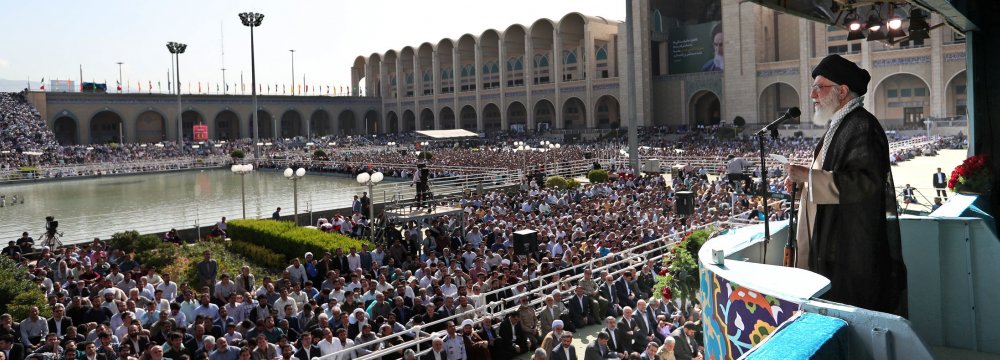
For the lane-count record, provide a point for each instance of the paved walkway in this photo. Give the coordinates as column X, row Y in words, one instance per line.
column 581, row 338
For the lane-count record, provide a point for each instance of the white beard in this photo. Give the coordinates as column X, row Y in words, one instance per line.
column 825, row 108
column 718, row 61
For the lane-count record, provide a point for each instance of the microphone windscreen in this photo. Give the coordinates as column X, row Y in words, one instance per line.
column 794, row 112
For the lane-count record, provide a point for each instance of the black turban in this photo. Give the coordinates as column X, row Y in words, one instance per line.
column 843, row 72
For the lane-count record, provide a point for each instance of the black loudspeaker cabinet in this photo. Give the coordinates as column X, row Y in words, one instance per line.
column 684, row 203
column 525, row 242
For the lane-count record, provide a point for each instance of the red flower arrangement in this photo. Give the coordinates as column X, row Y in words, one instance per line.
column 973, row 176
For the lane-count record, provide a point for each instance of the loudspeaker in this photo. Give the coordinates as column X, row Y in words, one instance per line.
column 525, row 242
column 684, row 203
column 588, row 155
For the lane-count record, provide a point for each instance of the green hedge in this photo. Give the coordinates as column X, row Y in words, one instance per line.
column 149, row 250
column 259, row 254
column 556, row 182
column 285, row 238
column 597, row 176
column 237, row 154
column 27, row 169
column 683, row 266
column 17, row 293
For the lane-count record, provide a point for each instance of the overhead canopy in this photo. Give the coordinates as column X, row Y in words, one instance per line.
column 447, row 134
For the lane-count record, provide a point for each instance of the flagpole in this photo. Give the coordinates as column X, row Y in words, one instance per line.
column 81, row 77
column 120, row 77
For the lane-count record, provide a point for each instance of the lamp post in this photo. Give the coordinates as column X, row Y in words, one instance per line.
column 242, row 170
column 252, row 20
column 177, row 49
column 294, row 176
column 370, row 180
column 293, row 70
column 120, row 77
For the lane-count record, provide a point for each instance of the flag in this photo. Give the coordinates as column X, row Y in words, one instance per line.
column 159, row 88
column 282, row 89
column 139, row 84
column 216, row 87
column 150, row 86
column 328, row 89
column 227, row 87
column 69, row 85
column 300, row 88
column 268, row 88
column 42, row 88
column 189, row 87
column 260, row 87
column 307, row 88
column 199, row 87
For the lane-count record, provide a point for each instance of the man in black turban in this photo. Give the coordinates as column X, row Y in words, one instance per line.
column 848, row 229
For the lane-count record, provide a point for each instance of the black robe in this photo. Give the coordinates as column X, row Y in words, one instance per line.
column 856, row 243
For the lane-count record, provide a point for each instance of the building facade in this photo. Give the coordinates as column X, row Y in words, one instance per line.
column 698, row 63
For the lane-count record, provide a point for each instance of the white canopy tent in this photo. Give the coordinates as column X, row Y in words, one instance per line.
column 447, row 134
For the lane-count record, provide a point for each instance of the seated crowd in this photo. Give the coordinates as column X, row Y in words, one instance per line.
column 605, row 237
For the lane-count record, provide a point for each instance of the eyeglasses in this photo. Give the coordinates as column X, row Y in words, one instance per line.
column 817, row 87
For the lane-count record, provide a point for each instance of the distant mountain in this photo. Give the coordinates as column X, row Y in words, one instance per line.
column 16, row 85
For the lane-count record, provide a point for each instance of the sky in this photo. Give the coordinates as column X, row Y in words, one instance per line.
column 54, row 39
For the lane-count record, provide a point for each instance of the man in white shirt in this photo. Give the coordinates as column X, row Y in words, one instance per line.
column 297, row 272
column 282, row 302
column 169, row 288
column 207, row 308
column 454, row 344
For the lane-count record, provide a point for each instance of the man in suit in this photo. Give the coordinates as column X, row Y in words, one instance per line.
column 514, row 341
column 579, row 306
column 646, row 323
column 59, row 322
column 650, row 352
column 609, row 292
column 626, row 290
column 490, row 336
column 598, row 350
column 940, row 184
column 686, row 347
column 616, row 337
column 565, row 350
column 437, row 351
column 630, row 327
column 12, row 349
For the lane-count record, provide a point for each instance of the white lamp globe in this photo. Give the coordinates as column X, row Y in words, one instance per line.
column 236, row 168
column 558, row 146
column 363, row 178
column 248, row 167
column 377, row 177
column 289, row 172
column 300, row 172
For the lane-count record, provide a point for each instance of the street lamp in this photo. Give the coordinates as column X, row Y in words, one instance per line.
column 252, row 20
column 294, row 176
column 242, row 170
column 370, row 180
column 177, row 49
column 293, row 70
column 120, row 77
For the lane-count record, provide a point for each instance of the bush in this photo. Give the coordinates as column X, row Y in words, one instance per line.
column 726, row 133
column 285, row 238
column 572, row 183
column 597, row 176
column 185, row 259
column 237, row 154
column 683, row 268
column 319, row 154
column 17, row 293
column 259, row 254
column 132, row 242
column 27, row 169
column 556, row 182
column 425, row 155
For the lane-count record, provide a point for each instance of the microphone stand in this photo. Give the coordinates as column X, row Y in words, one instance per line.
column 791, row 245
column 766, row 193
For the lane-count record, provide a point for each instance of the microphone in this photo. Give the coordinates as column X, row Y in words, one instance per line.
column 773, row 126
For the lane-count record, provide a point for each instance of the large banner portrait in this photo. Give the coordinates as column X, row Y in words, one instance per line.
column 695, row 48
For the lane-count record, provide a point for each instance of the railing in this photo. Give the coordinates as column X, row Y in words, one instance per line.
column 114, row 168
column 624, row 264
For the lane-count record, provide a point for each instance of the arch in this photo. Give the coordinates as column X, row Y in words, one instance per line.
column 489, row 50
column 574, row 114
column 390, row 72
column 542, row 43
column 190, row 118
column 426, row 119
column 106, row 127
column 572, row 37
column 373, row 77
column 491, row 118
column 775, row 99
column 409, row 121
column 447, row 116
column 704, row 108
column 468, row 120
column 406, row 57
column 66, row 129
column 372, row 123
column 291, row 124
column 902, row 101
column 150, row 127
column 956, row 95
column 392, row 120
column 227, row 125
column 517, row 117
column 513, row 39
column 608, row 112
column 347, row 122
column 319, row 123
column 544, row 114
column 266, row 128
column 446, row 66
column 466, row 63
column 425, row 58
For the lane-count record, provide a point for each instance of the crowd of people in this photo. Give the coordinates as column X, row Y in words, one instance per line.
column 21, row 126
column 105, row 304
